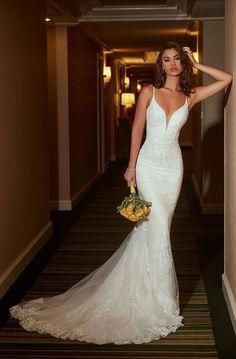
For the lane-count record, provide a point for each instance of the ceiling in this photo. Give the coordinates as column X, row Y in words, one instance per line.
column 132, row 28
column 112, row 10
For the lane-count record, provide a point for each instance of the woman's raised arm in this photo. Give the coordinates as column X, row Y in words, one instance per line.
column 222, row 78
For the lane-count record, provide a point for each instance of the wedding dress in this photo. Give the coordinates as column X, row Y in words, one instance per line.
column 133, row 297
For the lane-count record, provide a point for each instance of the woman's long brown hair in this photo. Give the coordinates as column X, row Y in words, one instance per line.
column 186, row 77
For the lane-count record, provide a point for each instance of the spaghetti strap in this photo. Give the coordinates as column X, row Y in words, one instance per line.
column 186, row 101
column 153, row 91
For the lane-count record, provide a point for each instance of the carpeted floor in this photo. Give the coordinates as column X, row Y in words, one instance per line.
column 83, row 241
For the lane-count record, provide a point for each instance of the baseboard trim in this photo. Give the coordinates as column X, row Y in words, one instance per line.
column 212, row 208
column 61, row 205
column 85, row 188
column 206, row 208
column 9, row 276
column 229, row 299
column 186, row 144
column 68, row 205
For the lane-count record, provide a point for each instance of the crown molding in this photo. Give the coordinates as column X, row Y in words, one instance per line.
column 172, row 9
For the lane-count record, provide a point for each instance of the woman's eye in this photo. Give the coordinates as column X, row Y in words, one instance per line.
column 166, row 60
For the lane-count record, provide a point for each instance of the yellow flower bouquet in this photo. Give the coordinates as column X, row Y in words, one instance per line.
column 132, row 207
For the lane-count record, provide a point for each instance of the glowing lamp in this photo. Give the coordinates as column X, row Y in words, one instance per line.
column 139, row 87
column 127, row 99
column 107, row 73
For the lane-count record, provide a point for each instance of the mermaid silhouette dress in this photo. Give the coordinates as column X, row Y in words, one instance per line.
column 134, row 296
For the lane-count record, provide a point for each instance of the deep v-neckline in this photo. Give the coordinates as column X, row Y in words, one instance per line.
column 168, row 118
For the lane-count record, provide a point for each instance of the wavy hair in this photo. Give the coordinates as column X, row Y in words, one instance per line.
column 186, row 76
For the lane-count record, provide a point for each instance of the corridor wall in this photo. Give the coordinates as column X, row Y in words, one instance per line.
column 73, row 114
column 83, row 126
column 24, row 193
column 229, row 276
column 208, row 125
column 212, row 129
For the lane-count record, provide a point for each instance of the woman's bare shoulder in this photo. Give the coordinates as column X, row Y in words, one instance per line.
column 147, row 89
column 146, row 93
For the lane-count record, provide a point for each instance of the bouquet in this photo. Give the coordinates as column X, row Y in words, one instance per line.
column 132, row 207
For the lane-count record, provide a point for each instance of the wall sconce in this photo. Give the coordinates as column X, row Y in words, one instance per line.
column 107, row 73
column 127, row 99
column 139, row 87
column 127, row 82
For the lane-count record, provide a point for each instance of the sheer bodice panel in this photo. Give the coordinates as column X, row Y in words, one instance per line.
column 161, row 147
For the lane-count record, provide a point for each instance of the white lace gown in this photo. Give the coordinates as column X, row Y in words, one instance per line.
column 133, row 297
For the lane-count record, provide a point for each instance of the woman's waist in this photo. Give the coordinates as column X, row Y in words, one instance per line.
column 160, row 156
column 155, row 140
column 159, row 147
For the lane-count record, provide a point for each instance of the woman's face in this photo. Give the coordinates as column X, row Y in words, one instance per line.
column 171, row 63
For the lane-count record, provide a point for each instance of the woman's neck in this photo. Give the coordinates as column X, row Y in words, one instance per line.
column 172, row 83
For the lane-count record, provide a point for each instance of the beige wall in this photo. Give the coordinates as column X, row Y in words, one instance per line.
column 212, row 129
column 24, row 215
column 58, row 113
column 229, row 276
column 83, row 126
column 208, row 126
column 73, row 114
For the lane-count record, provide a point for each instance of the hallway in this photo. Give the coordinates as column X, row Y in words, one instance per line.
column 92, row 233
column 71, row 74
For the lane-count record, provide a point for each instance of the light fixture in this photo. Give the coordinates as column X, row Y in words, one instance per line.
column 127, row 99
column 47, row 19
column 150, row 57
column 139, row 87
column 107, row 73
column 127, row 82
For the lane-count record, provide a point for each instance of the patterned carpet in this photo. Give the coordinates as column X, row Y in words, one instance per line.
column 93, row 237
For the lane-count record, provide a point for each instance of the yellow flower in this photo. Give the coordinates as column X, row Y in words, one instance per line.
column 146, row 210
column 139, row 212
column 133, row 207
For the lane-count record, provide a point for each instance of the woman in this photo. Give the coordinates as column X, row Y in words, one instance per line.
column 133, row 296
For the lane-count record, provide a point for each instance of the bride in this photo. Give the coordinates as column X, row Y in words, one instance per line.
column 134, row 297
